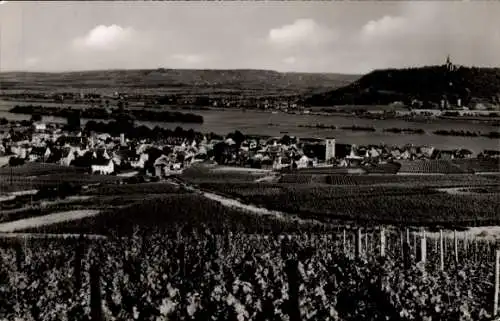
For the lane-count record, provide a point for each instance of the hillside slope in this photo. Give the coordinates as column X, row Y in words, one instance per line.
column 426, row 84
column 182, row 80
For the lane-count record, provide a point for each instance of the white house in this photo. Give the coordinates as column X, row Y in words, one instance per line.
column 4, row 160
column 140, row 162
column 104, row 167
column 19, row 151
column 68, row 157
column 374, row 153
column 303, row 162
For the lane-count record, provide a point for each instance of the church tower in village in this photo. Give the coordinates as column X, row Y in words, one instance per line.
column 329, row 148
column 449, row 65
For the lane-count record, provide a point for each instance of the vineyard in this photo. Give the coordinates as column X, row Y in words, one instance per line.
column 388, row 168
column 166, row 251
column 12, row 183
column 430, row 167
column 450, row 180
column 363, row 274
column 204, row 174
column 420, row 180
column 388, row 204
column 167, row 211
column 478, row 165
column 131, row 189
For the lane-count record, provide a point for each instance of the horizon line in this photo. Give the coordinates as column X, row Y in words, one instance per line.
column 235, row 69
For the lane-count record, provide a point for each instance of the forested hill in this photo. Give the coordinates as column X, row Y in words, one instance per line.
column 256, row 82
column 430, row 83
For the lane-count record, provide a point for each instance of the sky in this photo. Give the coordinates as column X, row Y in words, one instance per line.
column 338, row 37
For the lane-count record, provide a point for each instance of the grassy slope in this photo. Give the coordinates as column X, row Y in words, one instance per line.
column 177, row 80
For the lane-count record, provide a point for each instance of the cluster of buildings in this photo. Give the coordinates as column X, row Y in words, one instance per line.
column 99, row 153
column 105, row 154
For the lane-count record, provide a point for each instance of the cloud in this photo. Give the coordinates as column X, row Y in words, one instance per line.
column 386, row 26
column 289, row 60
column 189, row 58
column 105, row 37
column 302, row 31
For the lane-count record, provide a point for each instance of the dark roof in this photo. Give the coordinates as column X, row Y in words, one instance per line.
column 71, row 140
column 38, row 150
column 311, row 140
column 100, row 161
column 127, row 154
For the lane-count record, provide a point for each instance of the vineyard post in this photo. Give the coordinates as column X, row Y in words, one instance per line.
column 415, row 244
column 181, row 257
column 20, row 257
column 497, row 279
column 292, row 271
column 79, row 253
column 344, row 241
column 359, row 246
column 466, row 245
column 95, row 292
column 406, row 253
column 455, row 244
column 441, row 251
column 382, row 242
column 423, row 247
column 366, row 244
column 475, row 249
column 402, row 244
column 372, row 238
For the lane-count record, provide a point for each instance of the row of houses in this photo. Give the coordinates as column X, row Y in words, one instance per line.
column 104, row 154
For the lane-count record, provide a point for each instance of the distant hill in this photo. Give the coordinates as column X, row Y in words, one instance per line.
column 430, row 83
column 251, row 82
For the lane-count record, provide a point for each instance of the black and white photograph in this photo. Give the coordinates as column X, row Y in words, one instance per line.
column 250, row 160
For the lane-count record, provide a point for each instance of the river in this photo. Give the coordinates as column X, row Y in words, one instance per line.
column 265, row 123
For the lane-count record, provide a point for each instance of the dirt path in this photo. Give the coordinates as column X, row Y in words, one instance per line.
column 46, row 220
column 50, row 236
column 454, row 191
